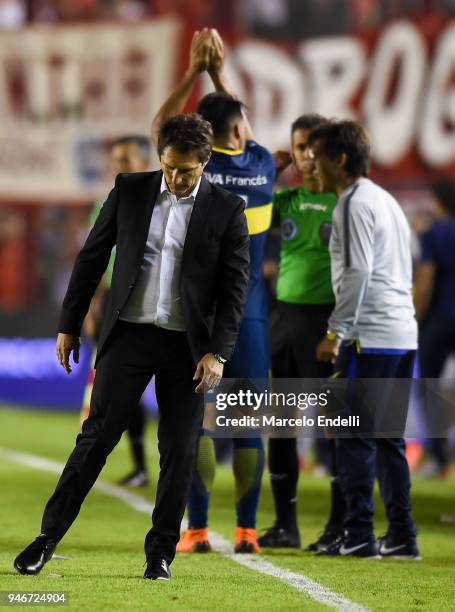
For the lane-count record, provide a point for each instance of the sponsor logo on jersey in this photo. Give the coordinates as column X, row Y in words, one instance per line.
column 214, row 177
column 229, row 180
column 288, row 229
column 313, row 206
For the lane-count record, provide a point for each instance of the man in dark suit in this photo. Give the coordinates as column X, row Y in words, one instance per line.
column 178, row 292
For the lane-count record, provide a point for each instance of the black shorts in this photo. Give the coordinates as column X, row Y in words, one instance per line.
column 295, row 332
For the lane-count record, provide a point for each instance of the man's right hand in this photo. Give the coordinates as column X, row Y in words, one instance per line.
column 67, row 343
column 217, row 53
column 200, row 51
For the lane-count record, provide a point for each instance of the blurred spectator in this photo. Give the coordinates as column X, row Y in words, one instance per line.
column 78, row 10
column 435, row 307
column 127, row 10
column 268, row 15
column 87, row 10
column 12, row 14
column 295, row 20
column 64, row 10
column 364, row 13
column 13, row 259
column 38, row 245
column 198, row 14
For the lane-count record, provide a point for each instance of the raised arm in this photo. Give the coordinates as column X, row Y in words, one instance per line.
column 217, row 74
column 198, row 63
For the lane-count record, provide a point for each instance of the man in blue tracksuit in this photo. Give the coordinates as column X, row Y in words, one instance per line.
column 372, row 334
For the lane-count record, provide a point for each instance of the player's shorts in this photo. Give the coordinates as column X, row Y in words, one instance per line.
column 251, row 357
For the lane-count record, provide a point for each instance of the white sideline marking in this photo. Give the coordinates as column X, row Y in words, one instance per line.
column 298, row 581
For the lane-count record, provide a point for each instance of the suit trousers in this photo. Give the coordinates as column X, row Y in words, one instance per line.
column 132, row 355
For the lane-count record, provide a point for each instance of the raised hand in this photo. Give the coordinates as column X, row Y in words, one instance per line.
column 200, row 50
column 217, row 54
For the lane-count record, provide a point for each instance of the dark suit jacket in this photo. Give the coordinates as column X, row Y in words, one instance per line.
column 215, row 264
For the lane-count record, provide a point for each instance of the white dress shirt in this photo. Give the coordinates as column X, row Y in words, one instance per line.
column 156, row 296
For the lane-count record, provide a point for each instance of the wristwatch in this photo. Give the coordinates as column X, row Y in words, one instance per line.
column 331, row 335
column 220, row 359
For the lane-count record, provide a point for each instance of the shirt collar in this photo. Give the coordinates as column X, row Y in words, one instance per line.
column 165, row 189
column 351, row 187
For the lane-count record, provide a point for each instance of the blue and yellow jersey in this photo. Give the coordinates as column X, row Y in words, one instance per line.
column 250, row 174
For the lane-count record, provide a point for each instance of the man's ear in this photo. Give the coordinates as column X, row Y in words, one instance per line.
column 341, row 161
column 237, row 131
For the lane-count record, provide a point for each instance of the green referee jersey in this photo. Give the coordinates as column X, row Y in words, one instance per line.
column 110, row 266
column 305, row 219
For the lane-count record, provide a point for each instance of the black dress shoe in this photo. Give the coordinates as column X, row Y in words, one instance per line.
column 157, row 569
column 32, row 559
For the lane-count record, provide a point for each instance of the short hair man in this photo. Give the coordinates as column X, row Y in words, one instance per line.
column 130, row 153
column 372, row 333
column 178, row 293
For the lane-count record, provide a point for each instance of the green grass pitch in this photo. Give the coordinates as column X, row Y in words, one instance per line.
column 105, row 545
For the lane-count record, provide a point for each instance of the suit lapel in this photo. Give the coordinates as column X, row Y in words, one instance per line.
column 145, row 197
column 198, row 218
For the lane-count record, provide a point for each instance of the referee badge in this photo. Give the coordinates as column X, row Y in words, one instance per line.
column 288, row 229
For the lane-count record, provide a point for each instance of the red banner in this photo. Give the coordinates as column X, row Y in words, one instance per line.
column 66, row 92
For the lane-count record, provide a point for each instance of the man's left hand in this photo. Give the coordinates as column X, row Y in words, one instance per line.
column 327, row 350
column 210, row 371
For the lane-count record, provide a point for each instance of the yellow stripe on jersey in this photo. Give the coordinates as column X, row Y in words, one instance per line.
column 259, row 218
column 228, row 151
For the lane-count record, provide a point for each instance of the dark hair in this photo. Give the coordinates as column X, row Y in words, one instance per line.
column 220, row 109
column 309, row 121
column 346, row 137
column 142, row 143
column 444, row 191
column 187, row 133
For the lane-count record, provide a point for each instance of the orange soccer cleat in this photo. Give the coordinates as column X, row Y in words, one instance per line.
column 194, row 540
column 246, row 541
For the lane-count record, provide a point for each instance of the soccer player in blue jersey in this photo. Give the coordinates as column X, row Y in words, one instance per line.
column 242, row 166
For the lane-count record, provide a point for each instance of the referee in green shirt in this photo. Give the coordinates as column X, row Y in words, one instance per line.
column 305, row 302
